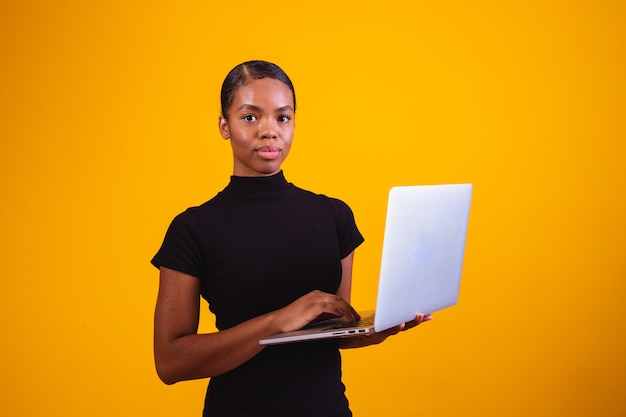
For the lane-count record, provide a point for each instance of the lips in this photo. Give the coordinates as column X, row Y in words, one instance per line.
column 268, row 152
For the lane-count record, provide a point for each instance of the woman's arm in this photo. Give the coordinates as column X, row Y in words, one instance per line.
column 181, row 353
column 345, row 288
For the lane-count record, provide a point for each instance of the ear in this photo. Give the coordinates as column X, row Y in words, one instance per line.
column 223, row 126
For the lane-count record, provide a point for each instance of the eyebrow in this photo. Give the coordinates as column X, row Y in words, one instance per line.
column 259, row 109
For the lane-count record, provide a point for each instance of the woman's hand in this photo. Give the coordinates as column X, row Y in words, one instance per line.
column 378, row 337
column 310, row 307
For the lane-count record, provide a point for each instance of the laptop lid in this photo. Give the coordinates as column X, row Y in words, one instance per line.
column 423, row 250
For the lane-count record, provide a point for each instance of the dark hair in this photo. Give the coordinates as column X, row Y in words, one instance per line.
column 251, row 70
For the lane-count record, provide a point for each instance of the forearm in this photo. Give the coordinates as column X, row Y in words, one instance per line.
column 357, row 342
column 194, row 356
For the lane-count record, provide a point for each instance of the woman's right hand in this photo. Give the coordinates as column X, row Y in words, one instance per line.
column 310, row 307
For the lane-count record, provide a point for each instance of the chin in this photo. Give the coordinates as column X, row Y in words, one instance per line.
column 269, row 169
column 270, row 172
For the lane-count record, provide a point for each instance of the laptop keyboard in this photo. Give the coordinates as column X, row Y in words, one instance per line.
column 367, row 320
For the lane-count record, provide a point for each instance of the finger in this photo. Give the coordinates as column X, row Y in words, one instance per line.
column 410, row 325
column 332, row 304
column 413, row 323
column 394, row 330
column 349, row 312
column 355, row 315
column 419, row 319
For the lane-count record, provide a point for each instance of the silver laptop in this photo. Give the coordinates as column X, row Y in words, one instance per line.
column 422, row 259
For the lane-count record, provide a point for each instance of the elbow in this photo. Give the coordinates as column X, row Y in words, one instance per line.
column 171, row 372
column 166, row 379
column 166, row 373
column 167, row 364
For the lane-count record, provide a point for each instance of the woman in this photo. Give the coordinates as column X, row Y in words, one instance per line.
column 268, row 257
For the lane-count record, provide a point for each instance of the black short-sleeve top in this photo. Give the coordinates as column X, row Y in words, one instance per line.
column 257, row 246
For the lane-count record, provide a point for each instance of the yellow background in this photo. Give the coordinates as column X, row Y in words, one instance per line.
column 108, row 127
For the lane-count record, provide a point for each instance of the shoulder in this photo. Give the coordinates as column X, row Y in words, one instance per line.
column 323, row 198
column 192, row 221
column 341, row 215
column 197, row 214
column 338, row 209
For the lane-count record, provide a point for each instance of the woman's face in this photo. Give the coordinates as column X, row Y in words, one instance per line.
column 260, row 126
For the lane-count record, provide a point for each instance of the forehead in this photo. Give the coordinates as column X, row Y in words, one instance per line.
column 266, row 93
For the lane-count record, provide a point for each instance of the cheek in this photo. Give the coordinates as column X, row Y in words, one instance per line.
column 239, row 147
column 287, row 143
column 286, row 150
column 241, row 138
column 287, row 134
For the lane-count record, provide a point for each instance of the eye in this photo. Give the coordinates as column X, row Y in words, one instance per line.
column 248, row 117
column 283, row 118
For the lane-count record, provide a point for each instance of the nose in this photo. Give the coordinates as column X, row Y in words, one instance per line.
column 267, row 129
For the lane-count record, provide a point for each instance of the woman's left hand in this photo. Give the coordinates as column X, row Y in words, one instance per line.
column 375, row 338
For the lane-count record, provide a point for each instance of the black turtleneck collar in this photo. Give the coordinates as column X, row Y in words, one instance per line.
column 254, row 185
